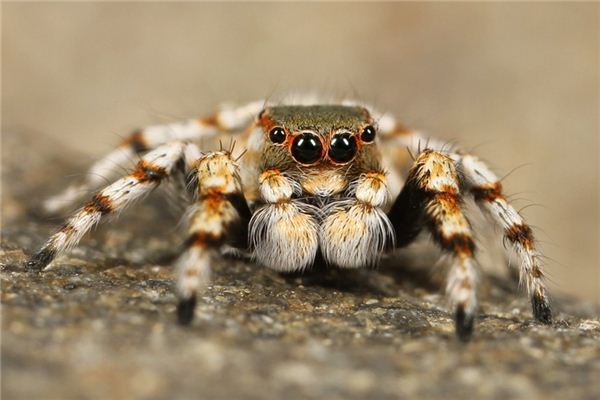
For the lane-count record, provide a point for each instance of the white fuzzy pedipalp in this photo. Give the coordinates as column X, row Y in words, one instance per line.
column 284, row 236
column 354, row 235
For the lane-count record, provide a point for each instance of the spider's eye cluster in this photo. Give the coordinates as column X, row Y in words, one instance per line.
column 277, row 135
column 307, row 148
column 342, row 147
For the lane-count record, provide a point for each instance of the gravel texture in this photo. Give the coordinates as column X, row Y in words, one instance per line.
column 100, row 322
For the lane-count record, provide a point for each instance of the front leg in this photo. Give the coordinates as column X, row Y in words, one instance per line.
column 219, row 217
column 431, row 198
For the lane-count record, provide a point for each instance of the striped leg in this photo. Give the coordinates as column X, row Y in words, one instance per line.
column 400, row 146
column 227, row 119
column 392, row 130
column 149, row 172
column 431, row 197
column 219, row 217
column 487, row 191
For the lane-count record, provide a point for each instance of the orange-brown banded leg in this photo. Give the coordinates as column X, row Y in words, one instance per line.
column 400, row 145
column 394, row 132
column 219, row 217
column 431, row 198
column 487, row 191
column 149, row 172
column 226, row 119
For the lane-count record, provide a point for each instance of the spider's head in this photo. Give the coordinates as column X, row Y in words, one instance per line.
column 321, row 145
column 322, row 135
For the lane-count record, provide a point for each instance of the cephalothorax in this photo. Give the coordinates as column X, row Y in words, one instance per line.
column 337, row 179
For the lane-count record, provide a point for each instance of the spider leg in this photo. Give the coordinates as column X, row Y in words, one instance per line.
column 154, row 167
column 226, row 119
column 487, row 191
column 220, row 216
column 431, row 198
column 400, row 146
column 392, row 131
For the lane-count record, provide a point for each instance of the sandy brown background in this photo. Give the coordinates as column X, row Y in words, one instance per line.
column 520, row 81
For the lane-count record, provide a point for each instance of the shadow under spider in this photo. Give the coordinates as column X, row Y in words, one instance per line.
column 384, row 280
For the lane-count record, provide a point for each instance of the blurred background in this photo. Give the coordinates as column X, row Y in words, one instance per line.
column 518, row 82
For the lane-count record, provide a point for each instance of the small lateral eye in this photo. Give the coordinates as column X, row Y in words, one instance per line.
column 277, row 135
column 368, row 134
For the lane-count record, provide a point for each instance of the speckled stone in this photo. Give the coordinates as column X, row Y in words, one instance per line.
column 100, row 322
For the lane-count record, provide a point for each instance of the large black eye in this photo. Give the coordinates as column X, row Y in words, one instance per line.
column 307, row 148
column 342, row 147
column 368, row 134
column 277, row 135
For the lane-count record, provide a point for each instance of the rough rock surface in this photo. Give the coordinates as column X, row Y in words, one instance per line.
column 100, row 322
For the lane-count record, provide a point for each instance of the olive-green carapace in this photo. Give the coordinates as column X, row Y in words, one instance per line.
column 322, row 118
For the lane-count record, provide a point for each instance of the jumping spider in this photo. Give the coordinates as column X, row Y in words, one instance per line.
column 315, row 178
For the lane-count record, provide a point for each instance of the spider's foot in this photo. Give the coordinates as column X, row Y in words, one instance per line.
column 541, row 309
column 185, row 310
column 40, row 260
column 464, row 324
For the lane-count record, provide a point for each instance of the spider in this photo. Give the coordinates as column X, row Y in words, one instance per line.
column 317, row 179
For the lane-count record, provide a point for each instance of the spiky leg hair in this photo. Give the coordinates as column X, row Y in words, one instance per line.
column 431, row 198
column 226, row 119
column 151, row 170
column 220, row 216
